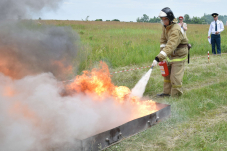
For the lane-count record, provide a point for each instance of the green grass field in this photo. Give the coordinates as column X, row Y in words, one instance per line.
column 198, row 120
column 124, row 44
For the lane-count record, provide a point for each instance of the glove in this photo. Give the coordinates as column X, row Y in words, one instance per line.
column 155, row 63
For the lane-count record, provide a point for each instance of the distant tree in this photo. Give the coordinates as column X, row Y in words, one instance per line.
column 98, row 20
column 145, row 18
column 203, row 19
column 206, row 18
column 196, row 20
column 115, row 20
column 107, row 20
column 186, row 18
column 155, row 20
column 40, row 18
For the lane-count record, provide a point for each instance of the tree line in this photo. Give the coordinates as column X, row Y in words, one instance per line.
column 205, row 19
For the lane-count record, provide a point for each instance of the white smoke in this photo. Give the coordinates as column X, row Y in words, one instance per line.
column 34, row 116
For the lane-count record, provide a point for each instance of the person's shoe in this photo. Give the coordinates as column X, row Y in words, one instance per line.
column 219, row 55
column 214, row 54
column 162, row 95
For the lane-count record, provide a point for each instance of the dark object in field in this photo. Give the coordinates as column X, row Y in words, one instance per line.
column 189, row 47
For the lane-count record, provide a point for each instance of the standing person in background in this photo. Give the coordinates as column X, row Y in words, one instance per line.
column 216, row 27
column 182, row 24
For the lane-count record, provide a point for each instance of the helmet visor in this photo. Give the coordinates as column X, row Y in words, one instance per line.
column 162, row 14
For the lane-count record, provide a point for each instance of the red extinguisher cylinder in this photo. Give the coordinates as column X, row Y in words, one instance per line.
column 164, row 68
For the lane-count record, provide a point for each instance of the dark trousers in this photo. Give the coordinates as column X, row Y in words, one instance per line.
column 216, row 39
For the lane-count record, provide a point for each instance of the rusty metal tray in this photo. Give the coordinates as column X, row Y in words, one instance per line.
column 107, row 138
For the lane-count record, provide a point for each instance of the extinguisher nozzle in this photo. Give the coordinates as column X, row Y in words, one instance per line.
column 152, row 67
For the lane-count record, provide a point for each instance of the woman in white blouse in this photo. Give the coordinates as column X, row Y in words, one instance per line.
column 182, row 24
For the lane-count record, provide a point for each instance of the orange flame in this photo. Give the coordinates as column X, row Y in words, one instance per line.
column 98, row 83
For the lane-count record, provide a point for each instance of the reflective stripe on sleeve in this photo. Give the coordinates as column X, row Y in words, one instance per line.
column 163, row 53
column 162, row 45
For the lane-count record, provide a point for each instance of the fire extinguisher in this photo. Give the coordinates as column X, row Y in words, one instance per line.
column 164, row 68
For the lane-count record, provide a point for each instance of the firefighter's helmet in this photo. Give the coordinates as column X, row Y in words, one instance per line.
column 167, row 12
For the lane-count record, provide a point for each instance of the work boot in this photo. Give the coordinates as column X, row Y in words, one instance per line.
column 162, row 95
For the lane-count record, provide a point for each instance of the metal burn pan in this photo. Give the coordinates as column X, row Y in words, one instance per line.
column 108, row 138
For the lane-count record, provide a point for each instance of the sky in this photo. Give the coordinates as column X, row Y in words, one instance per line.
column 130, row 10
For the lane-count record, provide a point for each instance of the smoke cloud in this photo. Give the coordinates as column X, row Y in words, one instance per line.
column 14, row 9
column 34, row 116
column 29, row 49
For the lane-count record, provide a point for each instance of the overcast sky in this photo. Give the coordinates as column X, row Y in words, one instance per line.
column 129, row 10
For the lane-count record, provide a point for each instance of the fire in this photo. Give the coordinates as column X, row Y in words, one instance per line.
column 121, row 93
column 97, row 83
column 36, row 109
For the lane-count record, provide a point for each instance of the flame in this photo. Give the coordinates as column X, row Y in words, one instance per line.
column 97, row 83
column 121, row 93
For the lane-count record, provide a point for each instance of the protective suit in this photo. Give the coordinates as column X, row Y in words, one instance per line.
column 174, row 49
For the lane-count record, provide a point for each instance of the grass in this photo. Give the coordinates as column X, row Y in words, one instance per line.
column 197, row 123
column 198, row 120
column 126, row 44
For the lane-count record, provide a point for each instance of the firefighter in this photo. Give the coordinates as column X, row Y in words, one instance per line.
column 174, row 49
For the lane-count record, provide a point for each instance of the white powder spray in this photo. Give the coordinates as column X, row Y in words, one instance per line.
column 139, row 89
